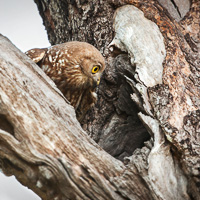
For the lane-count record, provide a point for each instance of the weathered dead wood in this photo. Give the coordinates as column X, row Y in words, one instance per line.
column 47, row 149
column 43, row 145
column 174, row 103
column 168, row 166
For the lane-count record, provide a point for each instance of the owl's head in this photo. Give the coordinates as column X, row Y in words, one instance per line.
column 71, row 64
column 88, row 58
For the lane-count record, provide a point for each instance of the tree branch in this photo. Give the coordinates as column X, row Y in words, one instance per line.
column 44, row 146
column 47, row 150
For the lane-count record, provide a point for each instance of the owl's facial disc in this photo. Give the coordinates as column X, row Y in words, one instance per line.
column 92, row 69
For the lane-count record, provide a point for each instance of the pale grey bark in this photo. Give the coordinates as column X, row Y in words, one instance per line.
column 44, row 146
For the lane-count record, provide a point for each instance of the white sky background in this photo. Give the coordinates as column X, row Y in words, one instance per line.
column 21, row 23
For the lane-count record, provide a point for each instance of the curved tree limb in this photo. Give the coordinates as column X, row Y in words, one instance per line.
column 44, row 146
column 47, row 150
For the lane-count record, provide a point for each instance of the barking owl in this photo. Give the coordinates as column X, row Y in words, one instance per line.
column 76, row 68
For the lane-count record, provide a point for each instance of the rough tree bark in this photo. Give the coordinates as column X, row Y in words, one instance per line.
column 151, row 84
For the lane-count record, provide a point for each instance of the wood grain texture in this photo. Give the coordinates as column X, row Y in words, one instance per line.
column 169, row 111
column 44, row 146
column 47, row 153
column 175, row 103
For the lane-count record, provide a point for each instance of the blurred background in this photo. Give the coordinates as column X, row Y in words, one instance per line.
column 21, row 23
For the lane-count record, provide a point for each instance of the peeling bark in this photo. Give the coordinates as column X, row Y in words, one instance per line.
column 151, row 84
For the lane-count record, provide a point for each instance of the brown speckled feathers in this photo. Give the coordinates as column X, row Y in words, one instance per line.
column 76, row 68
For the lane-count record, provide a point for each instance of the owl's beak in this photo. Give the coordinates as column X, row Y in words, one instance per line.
column 98, row 81
column 95, row 83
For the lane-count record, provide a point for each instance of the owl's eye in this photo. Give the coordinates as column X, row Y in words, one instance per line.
column 95, row 69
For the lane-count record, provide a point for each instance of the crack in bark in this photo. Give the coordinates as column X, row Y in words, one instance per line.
column 176, row 7
column 5, row 125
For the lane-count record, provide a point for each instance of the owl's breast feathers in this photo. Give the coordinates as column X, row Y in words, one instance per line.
column 65, row 70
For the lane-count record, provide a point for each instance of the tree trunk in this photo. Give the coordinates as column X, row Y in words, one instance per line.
column 150, row 88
